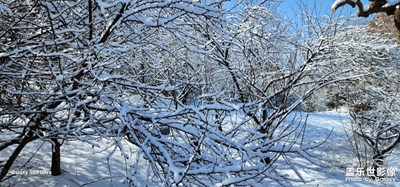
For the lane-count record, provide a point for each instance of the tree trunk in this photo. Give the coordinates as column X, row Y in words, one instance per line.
column 55, row 158
column 28, row 138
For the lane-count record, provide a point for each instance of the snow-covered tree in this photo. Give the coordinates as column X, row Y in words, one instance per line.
column 200, row 90
column 368, row 64
column 69, row 68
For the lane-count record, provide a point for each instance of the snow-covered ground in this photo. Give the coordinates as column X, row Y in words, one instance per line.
column 84, row 165
column 337, row 148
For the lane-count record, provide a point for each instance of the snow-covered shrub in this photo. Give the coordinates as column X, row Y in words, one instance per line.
column 201, row 93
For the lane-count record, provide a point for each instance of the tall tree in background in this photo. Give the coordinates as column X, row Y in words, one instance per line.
column 383, row 24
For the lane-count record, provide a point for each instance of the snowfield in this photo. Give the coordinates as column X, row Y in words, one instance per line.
column 84, row 165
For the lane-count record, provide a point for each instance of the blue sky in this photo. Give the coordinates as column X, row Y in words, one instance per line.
column 323, row 7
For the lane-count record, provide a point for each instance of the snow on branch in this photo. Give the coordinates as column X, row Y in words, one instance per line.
column 376, row 6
